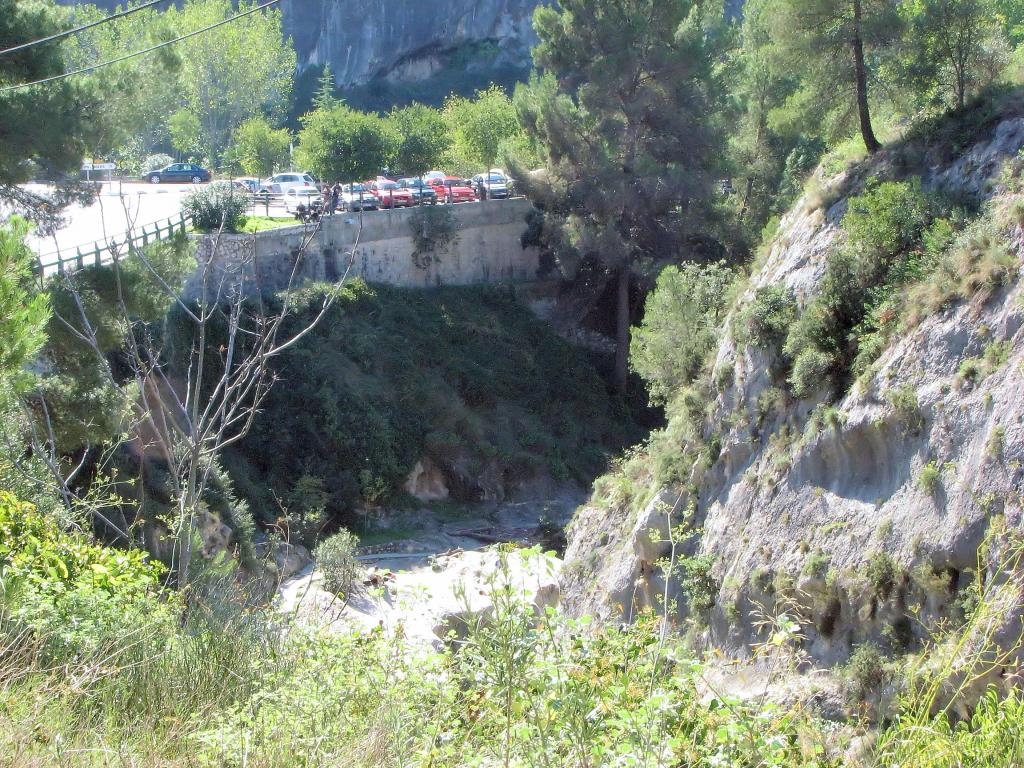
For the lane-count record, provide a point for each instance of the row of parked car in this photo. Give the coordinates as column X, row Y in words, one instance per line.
column 383, row 192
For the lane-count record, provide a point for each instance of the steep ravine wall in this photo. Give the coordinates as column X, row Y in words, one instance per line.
column 853, row 490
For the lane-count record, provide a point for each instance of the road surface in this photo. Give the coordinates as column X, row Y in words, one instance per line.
column 117, row 209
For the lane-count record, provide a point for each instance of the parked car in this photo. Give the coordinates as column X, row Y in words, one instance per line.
column 431, row 176
column 358, row 197
column 453, row 190
column 282, row 182
column 181, row 172
column 495, row 182
column 251, row 185
column 420, row 190
column 391, row 194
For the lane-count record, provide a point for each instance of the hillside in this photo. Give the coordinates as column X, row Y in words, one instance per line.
column 857, row 476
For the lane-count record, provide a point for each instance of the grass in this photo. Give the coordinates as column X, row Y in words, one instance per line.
column 255, row 224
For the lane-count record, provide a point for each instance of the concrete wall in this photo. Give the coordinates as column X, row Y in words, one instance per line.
column 486, row 250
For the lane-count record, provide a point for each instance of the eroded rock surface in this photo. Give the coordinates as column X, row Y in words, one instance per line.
column 809, row 513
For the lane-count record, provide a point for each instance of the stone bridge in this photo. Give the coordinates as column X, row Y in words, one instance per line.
column 484, row 248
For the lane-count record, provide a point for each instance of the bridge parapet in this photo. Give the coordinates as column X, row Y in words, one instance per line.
column 485, row 249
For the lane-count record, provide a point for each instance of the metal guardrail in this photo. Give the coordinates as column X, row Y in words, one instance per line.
column 103, row 252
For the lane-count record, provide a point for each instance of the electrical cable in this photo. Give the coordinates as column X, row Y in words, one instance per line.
column 76, row 30
column 100, row 65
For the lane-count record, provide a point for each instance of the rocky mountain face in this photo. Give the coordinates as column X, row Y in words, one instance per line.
column 864, row 517
column 406, row 40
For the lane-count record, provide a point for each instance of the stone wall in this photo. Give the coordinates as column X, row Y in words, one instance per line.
column 485, row 250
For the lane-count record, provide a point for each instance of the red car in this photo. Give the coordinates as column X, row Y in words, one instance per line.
column 453, row 190
column 390, row 194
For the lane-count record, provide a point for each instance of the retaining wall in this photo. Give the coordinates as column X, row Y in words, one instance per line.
column 485, row 250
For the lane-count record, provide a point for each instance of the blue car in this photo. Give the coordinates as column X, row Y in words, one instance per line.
column 182, row 172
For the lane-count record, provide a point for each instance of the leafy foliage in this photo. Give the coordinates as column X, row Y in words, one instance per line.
column 23, row 312
column 216, row 208
column 339, row 143
column 260, row 149
column 479, row 126
column 766, row 320
column 335, row 557
column 465, row 376
column 884, row 227
column 681, row 323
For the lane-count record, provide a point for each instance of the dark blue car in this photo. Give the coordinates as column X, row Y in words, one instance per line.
column 184, row 172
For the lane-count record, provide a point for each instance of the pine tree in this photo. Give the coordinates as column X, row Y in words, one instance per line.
column 625, row 114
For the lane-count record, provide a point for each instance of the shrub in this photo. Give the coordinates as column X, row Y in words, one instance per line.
column 883, row 227
column 699, row 586
column 155, row 163
column 881, row 573
column 904, row 401
column 866, row 670
column 768, row 317
column 816, row 565
column 681, row 323
column 336, row 558
column 996, row 442
column 929, row 478
column 810, row 373
column 215, row 207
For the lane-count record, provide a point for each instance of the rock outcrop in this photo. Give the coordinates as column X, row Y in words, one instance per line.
column 405, row 40
column 867, row 526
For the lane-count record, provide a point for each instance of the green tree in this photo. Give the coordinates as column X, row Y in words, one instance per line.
column 51, row 124
column 757, row 152
column 341, row 143
column 479, row 126
column 324, row 97
column 260, row 148
column 422, row 139
column 958, row 46
column 682, row 323
column 186, row 132
column 23, row 312
column 134, row 93
column 625, row 117
column 238, row 71
column 830, row 42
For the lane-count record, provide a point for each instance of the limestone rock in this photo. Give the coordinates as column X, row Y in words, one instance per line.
column 849, row 495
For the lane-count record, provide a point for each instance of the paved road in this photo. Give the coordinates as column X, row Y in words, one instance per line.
column 118, row 208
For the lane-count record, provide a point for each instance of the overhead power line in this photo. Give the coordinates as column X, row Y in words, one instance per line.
column 119, row 59
column 82, row 28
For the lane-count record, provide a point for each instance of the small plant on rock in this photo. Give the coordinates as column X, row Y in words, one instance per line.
column 881, row 573
column 930, row 477
column 865, row 671
column 904, row 402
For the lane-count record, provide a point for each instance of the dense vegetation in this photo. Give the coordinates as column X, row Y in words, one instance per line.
column 669, row 137
column 465, row 377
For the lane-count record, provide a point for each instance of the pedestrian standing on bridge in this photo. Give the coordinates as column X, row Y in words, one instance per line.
column 335, row 196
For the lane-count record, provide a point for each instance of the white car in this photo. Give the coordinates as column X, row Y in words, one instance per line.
column 282, row 183
column 358, row 197
column 430, row 176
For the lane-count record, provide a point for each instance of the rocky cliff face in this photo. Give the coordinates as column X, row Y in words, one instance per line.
column 406, row 40
column 867, row 525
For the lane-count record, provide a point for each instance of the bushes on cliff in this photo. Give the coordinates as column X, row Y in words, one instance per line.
column 884, row 227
